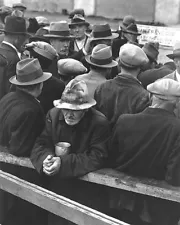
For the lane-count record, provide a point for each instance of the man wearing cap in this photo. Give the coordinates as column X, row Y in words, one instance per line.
column 15, row 36
column 73, row 120
column 101, row 63
column 22, row 120
column 147, row 145
column 124, row 93
column 69, row 69
column 19, row 6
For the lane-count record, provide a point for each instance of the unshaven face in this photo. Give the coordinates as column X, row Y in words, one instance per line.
column 61, row 46
column 73, row 117
column 78, row 31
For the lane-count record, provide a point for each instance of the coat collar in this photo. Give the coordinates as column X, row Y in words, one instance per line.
column 128, row 77
column 158, row 111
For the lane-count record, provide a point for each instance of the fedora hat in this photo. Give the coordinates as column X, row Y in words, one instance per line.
column 70, row 67
column 75, row 97
column 101, row 32
column 151, row 51
column 76, row 11
column 29, row 72
column 101, row 56
column 19, row 5
column 176, row 51
column 132, row 56
column 15, row 25
column 131, row 29
column 166, row 88
column 78, row 19
column 127, row 20
column 59, row 30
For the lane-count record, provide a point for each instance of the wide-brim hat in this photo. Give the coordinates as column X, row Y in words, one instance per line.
column 78, row 19
column 132, row 29
column 59, row 30
column 102, row 32
column 127, row 20
column 29, row 72
column 151, row 51
column 15, row 25
column 75, row 97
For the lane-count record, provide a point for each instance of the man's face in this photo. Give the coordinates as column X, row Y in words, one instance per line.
column 61, row 46
column 78, row 31
column 21, row 9
column 73, row 117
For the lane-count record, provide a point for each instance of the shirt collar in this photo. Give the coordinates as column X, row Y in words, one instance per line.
column 12, row 46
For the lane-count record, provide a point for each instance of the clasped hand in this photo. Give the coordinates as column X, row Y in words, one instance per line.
column 51, row 165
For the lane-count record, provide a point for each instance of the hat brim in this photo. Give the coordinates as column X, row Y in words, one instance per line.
column 110, row 65
column 113, row 36
column 23, row 33
column 41, row 79
column 128, row 65
column 165, row 97
column 172, row 56
column 58, row 36
column 131, row 32
column 80, row 23
column 64, row 105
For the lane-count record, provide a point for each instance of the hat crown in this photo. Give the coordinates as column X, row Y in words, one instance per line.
column 75, row 93
column 101, row 27
column 101, row 51
column 59, row 26
column 132, row 28
column 132, row 55
column 42, row 20
column 165, row 88
column 150, row 49
column 15, row 24
column 78, row 18
column 128, row 20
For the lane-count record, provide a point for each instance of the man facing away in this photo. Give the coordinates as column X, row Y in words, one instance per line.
column 147, row 145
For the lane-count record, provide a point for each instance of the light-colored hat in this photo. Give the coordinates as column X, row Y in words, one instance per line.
column 42, row 21
column 151, row 51
column 43, row 48
column 102, row 32
column 167, row 89
column 176, row 51
column 101, row 56
column 70, row 67
column 59, row 30
column 126, row 22
column 29, row 72
column 75, row 97
column 132, row 56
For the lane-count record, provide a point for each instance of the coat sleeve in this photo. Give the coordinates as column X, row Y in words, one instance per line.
column 74, row 165
column 43, row 146
column 143, row 101
column 23, row 134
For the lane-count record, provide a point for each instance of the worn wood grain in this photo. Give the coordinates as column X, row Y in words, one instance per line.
column 59, row 205
column 115, row 179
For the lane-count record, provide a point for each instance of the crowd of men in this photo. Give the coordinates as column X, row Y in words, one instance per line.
column 101, row 92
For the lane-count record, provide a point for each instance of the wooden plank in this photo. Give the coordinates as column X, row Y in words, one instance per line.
column 54, row 203
column 115, row 179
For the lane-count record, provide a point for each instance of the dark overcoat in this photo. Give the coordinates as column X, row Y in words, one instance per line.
column 147, row 145
column 123, row 94
column 89, row 143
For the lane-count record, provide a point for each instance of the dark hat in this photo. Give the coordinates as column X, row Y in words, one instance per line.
column 127, row 21
column 29, row 72
column 59, row 30
column 101, row 32
column 176, row 51
column 19, row 5
column 76, row 11
column 39, row 35
column 151, row 51
column 131, row 29
column 78, row 19
column 15, row 25
column 101, row 57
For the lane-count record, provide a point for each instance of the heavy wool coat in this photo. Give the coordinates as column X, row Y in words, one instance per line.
column 89, row 150
column 123, row 94
column 147, row 145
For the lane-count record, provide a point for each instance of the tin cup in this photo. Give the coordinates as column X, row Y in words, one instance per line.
column 62, row 148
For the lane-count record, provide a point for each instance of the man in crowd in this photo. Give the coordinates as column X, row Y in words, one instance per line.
column 147, row 145
column 15, row 36
column 73, row 120
column 19, row 6
column 101, row 63
column 22, row 120
column 124, row 93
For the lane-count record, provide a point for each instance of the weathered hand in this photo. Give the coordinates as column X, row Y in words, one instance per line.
column 52, row 167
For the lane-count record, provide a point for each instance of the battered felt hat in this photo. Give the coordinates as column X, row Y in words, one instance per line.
column 43, row 48
column 131, row 29
column 75, row 97
column 59, row 30
column 101, row 56
column 132, row 56
column 15, row 25
column 101, row 32
column 19, row 5
column 29, row 72
column 78, row 19
column 127, row 21
column 167, row 89
column 151, row 51
column 70, row 67
column 176, row 51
